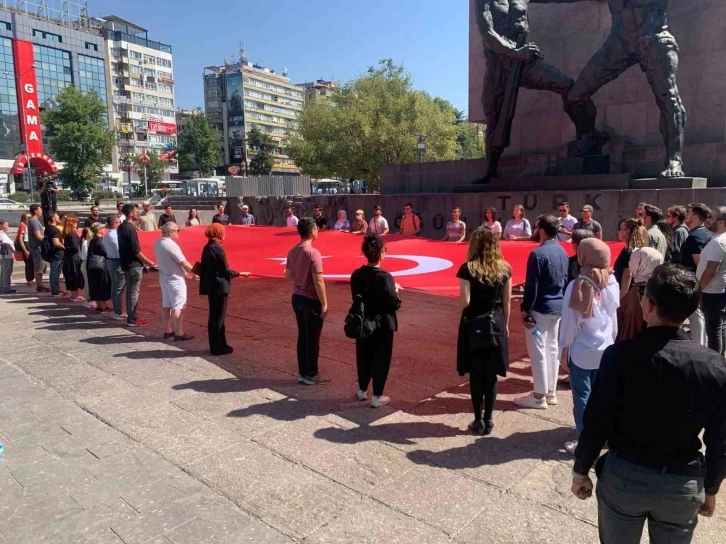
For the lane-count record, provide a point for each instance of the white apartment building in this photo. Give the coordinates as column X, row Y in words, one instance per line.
column 142, row 92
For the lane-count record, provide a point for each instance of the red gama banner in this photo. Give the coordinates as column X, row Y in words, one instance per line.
column 161, row 128
column 27, row 97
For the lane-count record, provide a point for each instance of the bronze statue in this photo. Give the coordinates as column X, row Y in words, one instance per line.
column 513, row 62
column 639, row 35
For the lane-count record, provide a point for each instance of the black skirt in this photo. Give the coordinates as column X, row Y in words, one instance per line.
column 72, row 272
column 99, row 285
column 468, row 362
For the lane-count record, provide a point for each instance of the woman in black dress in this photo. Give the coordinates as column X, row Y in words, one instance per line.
column 99, row 282
column 485, row 291
column 72, row 257
column 380, row 302
column 214, row 282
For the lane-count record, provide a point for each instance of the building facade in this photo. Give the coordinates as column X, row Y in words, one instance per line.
column 241, row 96
column 142, row 92
column 41, row 52
column 319, row 90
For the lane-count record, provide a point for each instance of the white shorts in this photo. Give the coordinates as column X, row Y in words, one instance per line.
column 173, row 293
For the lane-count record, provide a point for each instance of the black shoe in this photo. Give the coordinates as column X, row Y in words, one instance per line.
column 488, row 427
column 9, row 292
column 225, row 351
column 42, row 289
column 168, row 335
column 184, row 338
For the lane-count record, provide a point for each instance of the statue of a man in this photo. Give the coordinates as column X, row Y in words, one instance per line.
column 504, row 29
column 639, row 35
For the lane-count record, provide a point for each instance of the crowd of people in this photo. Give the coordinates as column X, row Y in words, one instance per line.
column 639, row 381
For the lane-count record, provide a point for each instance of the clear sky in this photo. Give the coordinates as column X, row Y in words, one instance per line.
column 315, row 39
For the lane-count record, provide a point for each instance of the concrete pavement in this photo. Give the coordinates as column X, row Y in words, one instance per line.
column 115, row 436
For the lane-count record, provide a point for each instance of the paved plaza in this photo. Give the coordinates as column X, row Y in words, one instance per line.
column 114, row 436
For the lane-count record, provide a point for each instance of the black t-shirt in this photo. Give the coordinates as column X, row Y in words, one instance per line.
column 222, row 219
column 621, row 263
column 90, row 221
column 321, row 222
column 694, row 244
column 128, row 246
column 166, row 218
column 483, row 297
column 52, row 231
column 72, row 243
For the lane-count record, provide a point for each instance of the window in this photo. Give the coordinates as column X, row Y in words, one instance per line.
column 149, row 72
column 139, row 109
column 150, row 86
column 152, row 111
column 136, row 82
column 135, row 55
column 93, row 75
column 47, row 35
column 91, row 46
column 165, row 88
column 148, row 59
column 214, row 104
column 10, row 141
column 166, row 75
column 137, row 97
column 166, row 63
column 135, row 69
column 214, row 93
column 167, row 113
column 166, row 102
column 211, row 81
column 6, row 25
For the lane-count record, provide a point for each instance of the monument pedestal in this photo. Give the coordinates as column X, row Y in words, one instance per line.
column 581, row 183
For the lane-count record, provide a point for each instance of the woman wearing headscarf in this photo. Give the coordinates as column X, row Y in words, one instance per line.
column 643, row 261
column 99, row 280
column 342, row 222
column 589, row 323
column 214, row 282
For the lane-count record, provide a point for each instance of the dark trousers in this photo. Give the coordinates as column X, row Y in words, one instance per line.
column 309, row 328
column 132, row 277
column 373, row 359
column 29, row 267
column 215, row 323
column 713, row 307
column 483, row 387
column 628, row 495
column 54, row 277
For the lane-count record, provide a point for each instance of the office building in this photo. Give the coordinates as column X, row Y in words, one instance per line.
column 240, row 96
column 142, row 91
column 319, row 90
column 42, row 50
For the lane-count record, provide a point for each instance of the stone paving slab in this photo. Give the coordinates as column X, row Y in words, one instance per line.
column 115, row 436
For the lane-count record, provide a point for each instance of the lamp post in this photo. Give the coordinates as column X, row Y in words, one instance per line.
column 128, row 162
column 421, row 147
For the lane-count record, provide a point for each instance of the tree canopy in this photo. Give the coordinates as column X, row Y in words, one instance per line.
column 373, row 120
column 261, row 145
column 155, row 167
column 79, row 136
column 198, row 146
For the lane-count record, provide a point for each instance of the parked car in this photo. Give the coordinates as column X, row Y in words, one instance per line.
column 7, row 204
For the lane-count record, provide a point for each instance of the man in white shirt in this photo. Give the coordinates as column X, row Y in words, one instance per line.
column 7, row 261
column 290, row 219
column 378, row 224
column 113, row 266
column 172, row 280
column 567, row 222
column 711, row 274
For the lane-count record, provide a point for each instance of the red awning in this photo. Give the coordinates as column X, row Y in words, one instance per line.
column 42, row 163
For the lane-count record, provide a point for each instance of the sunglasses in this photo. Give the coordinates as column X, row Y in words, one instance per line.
column 641, row 290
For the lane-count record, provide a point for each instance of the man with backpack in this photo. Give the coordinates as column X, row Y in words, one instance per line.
column 304, row 268
column 36, row 233
column 410, row 222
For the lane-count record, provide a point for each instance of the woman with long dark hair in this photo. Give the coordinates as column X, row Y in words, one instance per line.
column 482, row 349
column 72, row 257
column 193, row 219
column 22, row 245
column 491, row 221
column 667, row 230
column 380, row 299
column 215, row 282
column 99, row 280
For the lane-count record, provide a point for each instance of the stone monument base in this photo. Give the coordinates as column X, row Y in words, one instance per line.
column 581, row 183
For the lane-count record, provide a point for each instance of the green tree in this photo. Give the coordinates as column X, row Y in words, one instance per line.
column 374, row 120
column 469, row 136
column 261, row 147
column 79, row 136
column 198, row 146
column 155, row 167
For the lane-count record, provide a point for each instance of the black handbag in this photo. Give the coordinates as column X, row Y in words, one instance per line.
column 480, row 331
column 96, row 262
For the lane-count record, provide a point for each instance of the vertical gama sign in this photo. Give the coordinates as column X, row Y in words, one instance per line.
column 235, row 117
column 27, row 97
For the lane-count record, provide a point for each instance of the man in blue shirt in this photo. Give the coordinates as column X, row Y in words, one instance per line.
column 246, row 218
column 541, row 310
column 698, row 237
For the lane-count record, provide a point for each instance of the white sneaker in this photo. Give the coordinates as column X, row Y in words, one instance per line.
column 551, row 399
column 570, row 447
column 87, row 305
column 362, row 395
column 377, row 402
column 530, row 401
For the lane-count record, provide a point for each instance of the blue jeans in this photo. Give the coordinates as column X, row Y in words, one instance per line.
column 55, row 271
column 118, row 282
column 581, row 382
